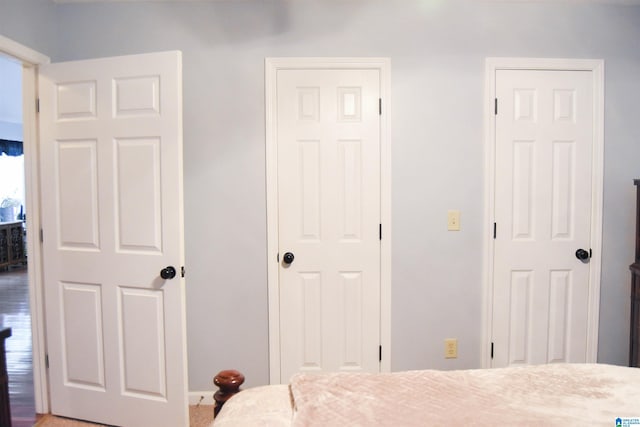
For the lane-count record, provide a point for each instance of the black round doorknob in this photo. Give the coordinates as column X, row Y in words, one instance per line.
column 288, row 258
column 582, row 255
column 168, row 273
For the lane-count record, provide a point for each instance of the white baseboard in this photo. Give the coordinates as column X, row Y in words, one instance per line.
column 201, row 397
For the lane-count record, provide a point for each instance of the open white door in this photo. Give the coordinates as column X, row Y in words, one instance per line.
column 111, row 152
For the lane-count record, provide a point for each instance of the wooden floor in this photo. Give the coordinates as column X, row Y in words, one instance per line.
column 15, row 313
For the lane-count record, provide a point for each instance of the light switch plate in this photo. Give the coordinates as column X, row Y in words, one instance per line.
column 453, row 220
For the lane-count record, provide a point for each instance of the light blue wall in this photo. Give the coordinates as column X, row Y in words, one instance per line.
column 10, row 130
column 437, row 51
column 29, row 22
column 10, row 99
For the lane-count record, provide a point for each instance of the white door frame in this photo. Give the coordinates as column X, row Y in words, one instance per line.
column 30, row 60
column 596, row 67
column 272, row 65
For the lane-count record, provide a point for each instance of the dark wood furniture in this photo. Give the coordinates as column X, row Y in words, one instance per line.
column 634, row 332
column 5, row 410
column 12, row 244
column 229, row 383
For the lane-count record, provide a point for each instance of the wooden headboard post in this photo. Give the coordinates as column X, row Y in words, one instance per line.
column 229, row 382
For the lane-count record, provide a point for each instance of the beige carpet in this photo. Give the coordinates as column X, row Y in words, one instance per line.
column 199, row 416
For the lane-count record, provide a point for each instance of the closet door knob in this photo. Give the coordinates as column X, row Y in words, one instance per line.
column 168, row 273
column 583, row 255
column 288, row 258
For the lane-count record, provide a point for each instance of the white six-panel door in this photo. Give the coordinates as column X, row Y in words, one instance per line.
column 328, row 144
column 111, row 147
column 543, row 204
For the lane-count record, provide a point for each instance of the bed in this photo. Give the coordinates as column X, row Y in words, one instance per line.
column 549, row 395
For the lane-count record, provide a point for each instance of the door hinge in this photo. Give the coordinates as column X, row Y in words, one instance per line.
column 494, row 230
column 380, row 231
column 495, row 106
column 380, row 106
column 37, row 105
column 41, row 236
column 46, row 361
column 380, row 353
column 492, row 350
column 278, row 257
column 182, row 271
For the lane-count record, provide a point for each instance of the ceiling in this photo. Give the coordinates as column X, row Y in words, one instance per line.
column 622, row 2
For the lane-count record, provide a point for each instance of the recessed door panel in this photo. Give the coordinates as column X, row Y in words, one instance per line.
column 350, row 314
column 139, row 194
column 564, row 105
column 76, row 100
column 525, row 105
column 77, row 179
column 308, row 104
column 559, row 297
column 349, row 104
column 563, row 190
column 311, row 312
column 83, row 335
column 520, row 312
column 137, row 96
column 77, row 189
column 309, row 180
column 142, row 343
column 350, row 175
column 523, row 187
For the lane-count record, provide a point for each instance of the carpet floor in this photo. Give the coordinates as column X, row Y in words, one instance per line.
column 199, row 416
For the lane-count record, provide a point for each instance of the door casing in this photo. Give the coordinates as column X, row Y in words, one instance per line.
column 596, row 67
column 272, row 65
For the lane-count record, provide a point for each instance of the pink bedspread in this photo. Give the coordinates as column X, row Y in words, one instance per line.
column 546, row 395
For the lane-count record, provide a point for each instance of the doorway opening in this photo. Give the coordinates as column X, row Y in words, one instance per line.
column 27, row 60
column 15, row 309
